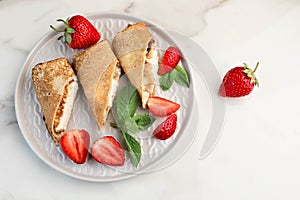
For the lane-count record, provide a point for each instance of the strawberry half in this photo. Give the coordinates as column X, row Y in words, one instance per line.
column 75, row 144
column 107, row 150
column 162, row 107
column 79, row 33
column 167, row 128
column 169, row 61
column 238, row 82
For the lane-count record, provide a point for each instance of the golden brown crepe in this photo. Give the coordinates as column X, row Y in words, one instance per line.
column 133, row 46
column 98, row 71
column 55, row 84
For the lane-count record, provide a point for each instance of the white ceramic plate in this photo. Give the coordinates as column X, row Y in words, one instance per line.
column 156, row 154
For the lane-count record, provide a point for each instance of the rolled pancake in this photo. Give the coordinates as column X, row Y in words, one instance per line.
column 98, row 72
column 55, row 84
column 133, row 46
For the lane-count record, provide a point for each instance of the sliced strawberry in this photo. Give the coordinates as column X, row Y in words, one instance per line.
column 75, row 144
column 164, row 69
column 167, row 128
column 169, row 61
column 107, row 150
column 162, row 107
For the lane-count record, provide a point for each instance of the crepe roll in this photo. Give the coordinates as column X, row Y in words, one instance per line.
column 98, row 71
column 56, row 86
column 134, row 47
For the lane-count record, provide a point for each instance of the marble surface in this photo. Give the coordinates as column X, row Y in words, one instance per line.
column 257, row 156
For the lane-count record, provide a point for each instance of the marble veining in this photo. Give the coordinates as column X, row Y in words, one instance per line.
column 129, row 8
column 7, row 112
column 212, row 6
column 9, row 43
column 172, row 16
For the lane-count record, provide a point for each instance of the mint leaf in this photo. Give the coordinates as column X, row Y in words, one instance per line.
column 178, row 74
column 181, row 76
column 166, row 81
column 134, row 147
column 124, row 107
column 134, row 103
column 143, row 121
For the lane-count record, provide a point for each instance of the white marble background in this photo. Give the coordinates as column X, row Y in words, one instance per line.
column 258, row 156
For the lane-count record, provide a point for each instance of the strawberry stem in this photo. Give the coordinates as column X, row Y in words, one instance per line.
column 58, row 30
column 114, row 125
column 245, row 65
column 255, row 67
column 67, row 31
column 65, row 22
column 250, row 73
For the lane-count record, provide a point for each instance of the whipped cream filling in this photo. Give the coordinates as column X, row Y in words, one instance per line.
column 114, row 87
column 113, row 91
column 67, row 106
column 146, row 95
column 147, row 87
column 154, row 57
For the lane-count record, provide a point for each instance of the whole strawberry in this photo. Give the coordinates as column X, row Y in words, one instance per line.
column 238, row 82
column 169, row 61
column 79, row 33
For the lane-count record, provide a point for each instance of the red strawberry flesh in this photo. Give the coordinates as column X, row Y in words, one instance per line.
column 169, row 61
column 75, row 144
column 162, row 107
column 167, row 128
column 107, row 150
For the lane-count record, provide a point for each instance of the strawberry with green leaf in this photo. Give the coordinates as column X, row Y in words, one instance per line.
column 78, row 31
column 239, row 81
column 170, row 71
column 169, row 61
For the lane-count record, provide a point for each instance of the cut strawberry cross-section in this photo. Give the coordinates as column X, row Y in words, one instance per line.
column 167, row 128
column 161, row 107
column 107, row 150
column 75, row 144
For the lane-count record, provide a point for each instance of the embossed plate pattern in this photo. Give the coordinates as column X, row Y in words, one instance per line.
column 154, row 151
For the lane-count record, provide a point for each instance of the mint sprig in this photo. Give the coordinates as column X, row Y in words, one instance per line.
column 134, row 148
column 178, row 74
column 124, row 108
